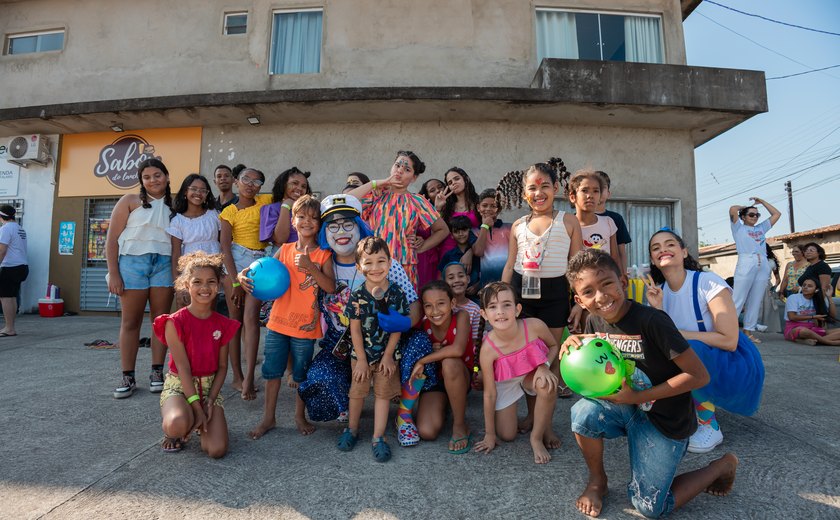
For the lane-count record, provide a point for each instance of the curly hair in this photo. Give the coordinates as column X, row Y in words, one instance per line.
column 590, row 259
column 511, row 187
column 188, row 264
column 180, row 204
column 278, row 191
column 689, row 262
column 144, row 196
column 470, row 195
column 579, row 176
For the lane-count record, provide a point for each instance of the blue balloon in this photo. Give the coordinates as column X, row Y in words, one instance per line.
column 270, row 278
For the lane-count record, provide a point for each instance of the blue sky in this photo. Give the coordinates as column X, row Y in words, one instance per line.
column 801, row 129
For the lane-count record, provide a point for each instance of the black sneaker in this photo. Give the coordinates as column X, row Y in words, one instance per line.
column 156, row 381
column 126, row 389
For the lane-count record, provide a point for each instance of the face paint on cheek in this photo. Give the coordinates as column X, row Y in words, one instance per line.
column 343, row 242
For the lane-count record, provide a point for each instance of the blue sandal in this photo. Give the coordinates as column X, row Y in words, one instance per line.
column 381, row 450
column 347, row 441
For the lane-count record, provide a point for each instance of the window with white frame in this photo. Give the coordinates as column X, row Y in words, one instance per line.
column 236, row 23
column 296, row 42
column 42, row 41
column 599, row 36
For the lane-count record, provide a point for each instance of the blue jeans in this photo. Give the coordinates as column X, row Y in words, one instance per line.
column 653, row 457
column 140, row 272
column 277, row 347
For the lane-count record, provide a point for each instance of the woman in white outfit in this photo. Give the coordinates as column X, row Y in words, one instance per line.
column 753, row 269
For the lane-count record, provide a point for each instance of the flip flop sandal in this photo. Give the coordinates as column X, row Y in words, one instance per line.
column 347, row 441
column 176, row 445
column 381, row 450
column 564, row 392
column 463, row 450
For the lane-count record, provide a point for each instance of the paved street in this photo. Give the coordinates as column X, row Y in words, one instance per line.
column 69, row 450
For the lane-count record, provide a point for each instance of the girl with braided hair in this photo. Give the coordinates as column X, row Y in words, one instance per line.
column 138, row 251
column 541, row 243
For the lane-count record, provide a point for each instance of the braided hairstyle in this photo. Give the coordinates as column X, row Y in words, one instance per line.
column 511, row 188
column 469, row 191
column 144, row 197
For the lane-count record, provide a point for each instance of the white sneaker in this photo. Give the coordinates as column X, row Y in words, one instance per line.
column 760, row 328
column 705, row 439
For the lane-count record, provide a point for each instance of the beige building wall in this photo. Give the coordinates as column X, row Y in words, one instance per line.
column 643, row 164
column 162, row 48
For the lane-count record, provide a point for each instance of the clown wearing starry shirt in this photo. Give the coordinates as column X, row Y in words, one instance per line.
column 658, row 438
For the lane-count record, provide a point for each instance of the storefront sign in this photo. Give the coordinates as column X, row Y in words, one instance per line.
column 66, row 238
column 9, row 176
column 106, row 163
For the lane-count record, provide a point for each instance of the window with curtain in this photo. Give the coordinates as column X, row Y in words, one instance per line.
column 296, row 42
column 598, row 36
column 35, row 42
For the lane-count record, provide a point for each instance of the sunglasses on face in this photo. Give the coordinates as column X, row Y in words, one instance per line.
column 250, row 182
column 754, row 215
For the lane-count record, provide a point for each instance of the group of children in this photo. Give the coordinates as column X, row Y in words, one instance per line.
column 550, row 254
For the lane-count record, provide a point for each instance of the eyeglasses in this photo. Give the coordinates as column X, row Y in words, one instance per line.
column 753, row 215
column 346, row 225
column 250, row 182
column 200, row 191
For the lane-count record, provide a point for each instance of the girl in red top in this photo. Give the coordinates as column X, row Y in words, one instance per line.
column 197, row 338
column 450, row 334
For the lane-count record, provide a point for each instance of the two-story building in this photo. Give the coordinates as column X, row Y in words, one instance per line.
column 334, row 86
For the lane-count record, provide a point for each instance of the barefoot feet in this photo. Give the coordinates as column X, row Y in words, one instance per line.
column 303, row 426
column 728, row 466
column 264, row 427
column 249, row 393
column 525, row 425
column 591, row 500
column 551, row 440
column 541, row 454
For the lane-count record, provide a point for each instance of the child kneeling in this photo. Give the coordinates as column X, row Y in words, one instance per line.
column 374, row 350
column 197, row 338
column 657, row 434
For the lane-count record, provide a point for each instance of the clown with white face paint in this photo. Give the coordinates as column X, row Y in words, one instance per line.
column 328, row 380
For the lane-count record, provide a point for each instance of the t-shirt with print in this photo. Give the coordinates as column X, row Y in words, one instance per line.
column 597, row 235
column 799, row 304
column 202, row 338
column 495, row 253
column 295, row 314
column 364, row 307
column 347, row 280
column 749, row 240
column 622, row 234
column 455, row 254
column 679, row 304
column 14, row 238
column 649, row 337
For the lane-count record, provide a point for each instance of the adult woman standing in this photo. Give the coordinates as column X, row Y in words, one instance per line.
column 701, row 306
column 138, row 251
column 793, row 270
column 752, row 270
column 14, row 267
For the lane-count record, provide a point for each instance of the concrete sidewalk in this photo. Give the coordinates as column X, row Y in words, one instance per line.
column 69, row 450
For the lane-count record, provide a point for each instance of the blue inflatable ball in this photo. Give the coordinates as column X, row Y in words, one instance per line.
column 270, row 278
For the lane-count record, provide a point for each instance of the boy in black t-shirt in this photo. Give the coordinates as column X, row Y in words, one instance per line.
column 658, row 437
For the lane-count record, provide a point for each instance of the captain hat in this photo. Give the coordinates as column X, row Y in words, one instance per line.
column 338, row 206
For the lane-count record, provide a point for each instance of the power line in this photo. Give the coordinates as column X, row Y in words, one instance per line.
column 772, row 20
column 802, row 73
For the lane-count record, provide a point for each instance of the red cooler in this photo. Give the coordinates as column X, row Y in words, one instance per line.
column 48, row 308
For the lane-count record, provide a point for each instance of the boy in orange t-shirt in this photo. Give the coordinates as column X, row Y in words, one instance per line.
column 295, row 322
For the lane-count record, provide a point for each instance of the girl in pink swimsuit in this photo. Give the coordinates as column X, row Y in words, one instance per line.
column 515, row 359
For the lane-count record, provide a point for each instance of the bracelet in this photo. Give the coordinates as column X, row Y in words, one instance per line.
column 547, row 364
column 284, row 205
column 485, row 226
column 373, row 184
column 236, row 284
column 193, row 398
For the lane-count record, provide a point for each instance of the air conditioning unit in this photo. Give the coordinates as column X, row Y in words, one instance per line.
column 26, row 149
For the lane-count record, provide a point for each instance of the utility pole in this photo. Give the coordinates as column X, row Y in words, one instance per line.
column 789, row 190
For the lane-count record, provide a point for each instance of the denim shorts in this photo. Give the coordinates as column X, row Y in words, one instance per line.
column 243, row 257
column 653, row 457
column 139, row 272
column 276, row 356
